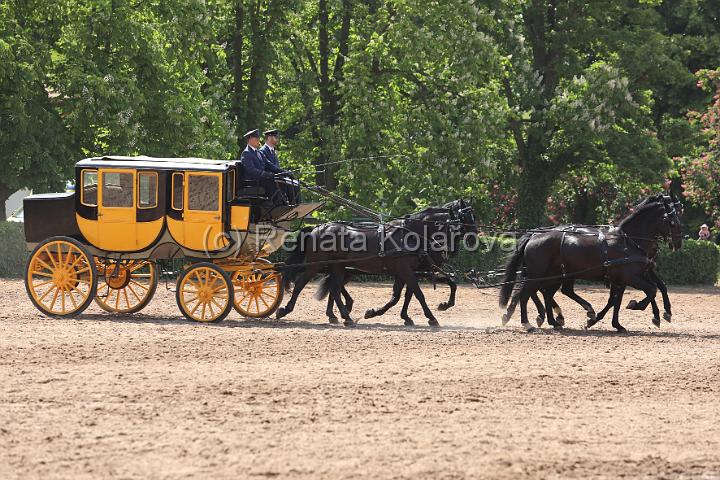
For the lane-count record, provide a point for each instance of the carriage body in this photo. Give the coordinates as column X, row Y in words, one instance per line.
column 128, row 213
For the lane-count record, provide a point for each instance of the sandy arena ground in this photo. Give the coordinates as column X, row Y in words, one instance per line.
column 153, row 396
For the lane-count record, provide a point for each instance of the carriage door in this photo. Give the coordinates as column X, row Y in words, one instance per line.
column 203, row 211
column 116, row 210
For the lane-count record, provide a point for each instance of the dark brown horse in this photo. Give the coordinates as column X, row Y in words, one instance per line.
column 619, row 256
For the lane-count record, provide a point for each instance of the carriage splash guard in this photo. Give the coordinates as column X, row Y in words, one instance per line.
column 286, row 213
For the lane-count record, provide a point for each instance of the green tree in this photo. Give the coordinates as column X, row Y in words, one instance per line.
column 131, row 77
column 35, row 144
column 569, row 83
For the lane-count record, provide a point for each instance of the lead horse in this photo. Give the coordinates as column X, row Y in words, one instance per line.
column 621, row 256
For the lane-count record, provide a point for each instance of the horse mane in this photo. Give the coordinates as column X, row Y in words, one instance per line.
column 646, row 204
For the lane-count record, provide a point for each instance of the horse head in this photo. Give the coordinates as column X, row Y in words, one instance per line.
column 656, row 216
column 671, row 219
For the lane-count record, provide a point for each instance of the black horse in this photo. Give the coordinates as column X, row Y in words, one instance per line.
column 409, row 245
column 430, row 266
column 619, row 256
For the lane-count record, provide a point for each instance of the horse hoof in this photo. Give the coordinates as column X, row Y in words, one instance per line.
column 540, row 320
column 667, row 317
column 505, row 319
column 621, row 329
column 349, row 323
column 333, row 320
column 280, row 313
column 443, row 306
column 656, row 321
column 557, row 327
column 591, row 323
column 592, row 316
column 560, row 321
column 409, row 323
column 528, row 328
column 433, row 323
column 632, row 305
column 369, row 313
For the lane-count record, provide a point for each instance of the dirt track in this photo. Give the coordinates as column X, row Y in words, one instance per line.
column 153, row 396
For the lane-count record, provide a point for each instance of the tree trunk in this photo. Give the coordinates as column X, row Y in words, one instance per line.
column 238, row 99
column 533, row 191
column 5, row 193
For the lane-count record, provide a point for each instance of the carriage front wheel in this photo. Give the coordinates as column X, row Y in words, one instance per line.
column 126, row 286
column 258, row 289
column 60, row 277
column 204, row 293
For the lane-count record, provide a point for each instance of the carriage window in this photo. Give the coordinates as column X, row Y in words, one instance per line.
column 117, row 189
column 203, row 192
column 147, row 189
column 231, row 185
column 88, row 194
column 178, row 180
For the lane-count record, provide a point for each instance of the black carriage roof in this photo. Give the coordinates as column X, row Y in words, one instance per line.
column 154, row 163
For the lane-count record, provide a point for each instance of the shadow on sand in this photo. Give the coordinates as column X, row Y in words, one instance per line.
column 272, row 323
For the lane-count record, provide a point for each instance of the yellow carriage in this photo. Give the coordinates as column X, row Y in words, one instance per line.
column 129, row 215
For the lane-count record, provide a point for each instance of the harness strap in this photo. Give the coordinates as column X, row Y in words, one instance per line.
column 562, row 241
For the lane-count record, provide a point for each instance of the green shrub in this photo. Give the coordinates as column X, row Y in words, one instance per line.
column 13, row 254
column 696, row 262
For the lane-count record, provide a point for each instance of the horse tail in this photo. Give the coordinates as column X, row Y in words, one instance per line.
column 511, row 269
column 297, row 256
column 323, row 288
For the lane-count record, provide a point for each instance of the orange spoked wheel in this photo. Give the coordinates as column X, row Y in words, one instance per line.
column 204, row 293
column 60, row 277
column 125, row 286
column 258, row 289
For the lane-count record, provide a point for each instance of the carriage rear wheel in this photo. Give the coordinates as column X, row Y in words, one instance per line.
column 60, row 277
column 258, row 290
column 204, row 293
column 126, row 286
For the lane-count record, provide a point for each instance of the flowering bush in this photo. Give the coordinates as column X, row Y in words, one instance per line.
column 701, row 171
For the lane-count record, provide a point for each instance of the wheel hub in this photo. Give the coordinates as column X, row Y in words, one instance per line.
column 117, row 277
column 205, row 295
column 63, row 277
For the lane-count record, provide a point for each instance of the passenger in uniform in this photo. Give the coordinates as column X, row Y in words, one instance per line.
column 257, row 169
column 286, row 182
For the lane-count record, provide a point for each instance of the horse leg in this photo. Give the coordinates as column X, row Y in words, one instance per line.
column 548, row 293
column 642, row 283
column 397, row 290
column 653, row 277
column 453, row 288
column 404, row 312
column 524, row 295
column 349, row 302
column 667, row 316
column 329, row 310
column 511, row 308
column 299, row 285
column 540, row 308
column 606, row 308
column 336, row 286
column 413, row 286
column 617, row 300
column 559, row 317
column 568, row 289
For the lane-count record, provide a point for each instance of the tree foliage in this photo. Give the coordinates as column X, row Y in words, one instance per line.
column 538, row 110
